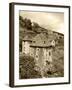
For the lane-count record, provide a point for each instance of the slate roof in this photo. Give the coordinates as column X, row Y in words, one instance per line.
column 41, row 40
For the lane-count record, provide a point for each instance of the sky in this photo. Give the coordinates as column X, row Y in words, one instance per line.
column 48, row 20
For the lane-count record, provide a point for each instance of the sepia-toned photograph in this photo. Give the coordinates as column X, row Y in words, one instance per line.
column 41, row 44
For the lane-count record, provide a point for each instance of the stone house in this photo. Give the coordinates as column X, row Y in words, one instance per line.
column 40, row 47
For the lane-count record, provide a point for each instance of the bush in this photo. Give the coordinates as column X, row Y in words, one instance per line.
column 58, row 61
column 26, row 67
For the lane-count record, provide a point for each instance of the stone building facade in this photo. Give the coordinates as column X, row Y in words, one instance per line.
column 40, row 47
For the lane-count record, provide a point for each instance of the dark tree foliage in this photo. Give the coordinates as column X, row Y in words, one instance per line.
column 35, row 27
column 27, row 65
column 25, row 22
column 21, row 21
column 28, row 23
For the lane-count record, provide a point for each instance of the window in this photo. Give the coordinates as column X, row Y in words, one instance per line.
column 36, row 56
column 24, row 48
column 44, row 42
column 49, row 53
column 33, row 41
column 38, row 49
column 47, row 62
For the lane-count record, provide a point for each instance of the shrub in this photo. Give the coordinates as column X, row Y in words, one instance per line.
column 26, row 67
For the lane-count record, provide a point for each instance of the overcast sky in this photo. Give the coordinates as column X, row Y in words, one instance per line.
column 52, row 21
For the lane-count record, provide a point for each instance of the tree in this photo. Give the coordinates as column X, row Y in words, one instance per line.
column 35, row 27
column 28, row 23
column 21, row 21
